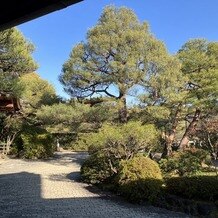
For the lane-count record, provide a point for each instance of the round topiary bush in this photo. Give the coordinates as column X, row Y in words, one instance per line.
column 139, row 178
column 95, row 169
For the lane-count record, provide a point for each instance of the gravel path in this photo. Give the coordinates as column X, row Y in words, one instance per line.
column 52, row 189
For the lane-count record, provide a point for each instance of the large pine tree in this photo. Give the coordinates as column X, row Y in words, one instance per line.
column 119, row 54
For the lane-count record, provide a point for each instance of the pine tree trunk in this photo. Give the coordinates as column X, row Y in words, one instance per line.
column 4, row 149
column 190, row 129
column 170, row 138
column 8, row 145
column 167, row 150
column 9, row 142
column 123, row 110
column 212, row 147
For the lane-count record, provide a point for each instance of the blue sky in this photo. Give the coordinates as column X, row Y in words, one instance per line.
column 172, row 21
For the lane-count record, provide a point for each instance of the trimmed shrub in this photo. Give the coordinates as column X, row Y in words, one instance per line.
column 139, row 178
column 92, row 141
column 37, row 143
column 169, row 165
column 195, row 187
column 96, row 169
column 79, row 142
column 123, row 141
column 184, row 163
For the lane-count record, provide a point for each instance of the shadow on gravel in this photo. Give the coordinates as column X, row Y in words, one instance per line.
column 21, row 196
column 72, row 177
column 76, row 157
column 62, row 158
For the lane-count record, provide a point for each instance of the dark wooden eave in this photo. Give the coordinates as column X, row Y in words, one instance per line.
column 15, row 12
column 9, row 103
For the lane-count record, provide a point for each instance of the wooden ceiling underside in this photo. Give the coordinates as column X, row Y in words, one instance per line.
column 14, row 12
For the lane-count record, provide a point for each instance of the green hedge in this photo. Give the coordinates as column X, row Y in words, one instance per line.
column 139, row 178
column 195, row 187
column 184, row 163
column 37, row 143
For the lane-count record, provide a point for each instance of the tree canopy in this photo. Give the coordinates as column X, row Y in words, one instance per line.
column 15, row 58
column 199, row 59
column 121, row 53
column 36, row 91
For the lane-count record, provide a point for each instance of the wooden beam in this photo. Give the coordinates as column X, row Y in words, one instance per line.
column 13, row 12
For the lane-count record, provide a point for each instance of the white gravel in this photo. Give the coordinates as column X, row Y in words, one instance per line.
column 51, row 188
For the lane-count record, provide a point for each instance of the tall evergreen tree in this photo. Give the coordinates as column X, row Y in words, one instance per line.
column 119, row 53
column 163, row 98
column 37, row 91
column 199, row 60
column 15, row 58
